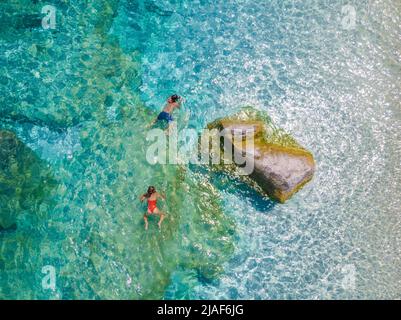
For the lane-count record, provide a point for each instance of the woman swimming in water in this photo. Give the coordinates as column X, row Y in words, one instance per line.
column 152, row 195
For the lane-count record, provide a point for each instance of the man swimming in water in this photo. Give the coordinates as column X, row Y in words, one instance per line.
column 173, row 102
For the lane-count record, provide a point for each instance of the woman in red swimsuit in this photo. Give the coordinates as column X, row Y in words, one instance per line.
column 152, row 197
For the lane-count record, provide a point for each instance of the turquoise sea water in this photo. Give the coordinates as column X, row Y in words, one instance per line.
column 80, row 95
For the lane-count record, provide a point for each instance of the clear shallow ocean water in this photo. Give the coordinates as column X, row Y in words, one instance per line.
column 79, row 97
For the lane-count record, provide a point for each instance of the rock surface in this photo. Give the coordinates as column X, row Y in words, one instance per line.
column 23, row 179
column 281, row 165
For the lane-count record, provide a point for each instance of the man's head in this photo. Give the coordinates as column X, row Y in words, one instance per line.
column 174, row 98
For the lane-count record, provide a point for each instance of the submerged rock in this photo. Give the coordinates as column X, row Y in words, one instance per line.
column 24, row 179
column 281, row 165
column 11, row 228
column 71, row 80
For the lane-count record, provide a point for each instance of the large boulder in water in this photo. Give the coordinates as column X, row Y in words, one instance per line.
column 24, row 179
column 281, row 165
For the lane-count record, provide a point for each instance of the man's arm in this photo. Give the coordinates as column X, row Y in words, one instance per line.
column 180, row 102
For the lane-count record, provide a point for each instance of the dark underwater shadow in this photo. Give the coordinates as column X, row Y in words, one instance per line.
column 9, row 229
column 25, row 180
column 9, row 121
column 234, row 185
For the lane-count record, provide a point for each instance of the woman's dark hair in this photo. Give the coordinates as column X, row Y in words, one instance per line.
column 175, row 97
column 151, row 190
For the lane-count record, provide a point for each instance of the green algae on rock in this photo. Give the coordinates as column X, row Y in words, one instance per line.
column 24, row 179
column 281, row 165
